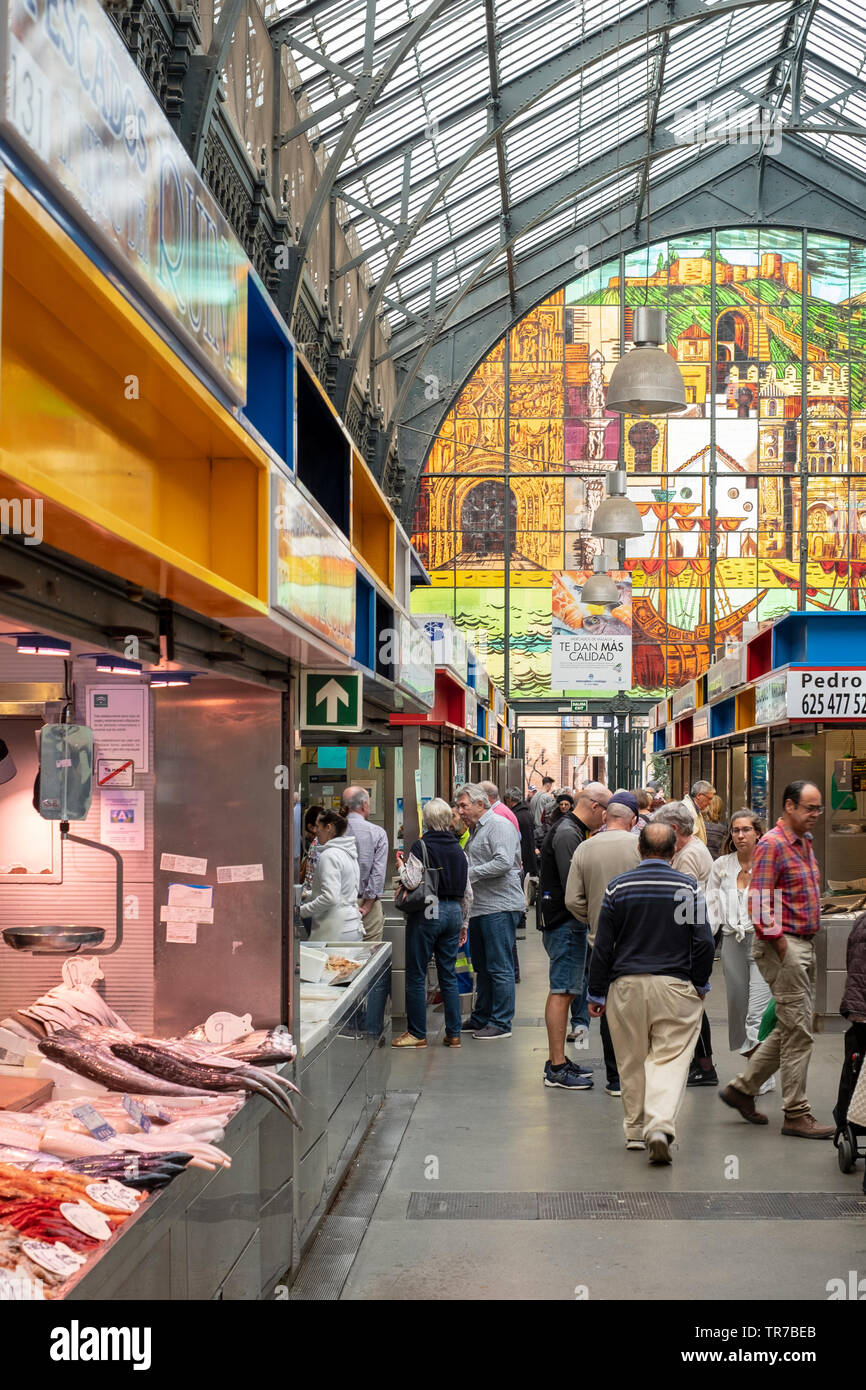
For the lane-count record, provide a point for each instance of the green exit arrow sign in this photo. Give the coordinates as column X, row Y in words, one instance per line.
column 578, row 706
column 332, row 700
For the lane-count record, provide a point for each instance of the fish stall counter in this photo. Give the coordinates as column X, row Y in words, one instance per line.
column 175, row 1192
column 343, row 1065
column 169, row 1169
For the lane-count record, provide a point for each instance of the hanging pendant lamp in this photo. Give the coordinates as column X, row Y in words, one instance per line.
column 647, row 380
column 600, row 588
column 617, row 518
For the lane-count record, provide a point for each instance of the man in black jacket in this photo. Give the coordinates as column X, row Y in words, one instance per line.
column 564, row 938
column 528, row 852
column 650, row 970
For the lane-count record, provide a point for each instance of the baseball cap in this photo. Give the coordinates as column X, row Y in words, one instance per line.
column 626, row 799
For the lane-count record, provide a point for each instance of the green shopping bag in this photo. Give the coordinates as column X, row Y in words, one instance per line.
column 768, row 1021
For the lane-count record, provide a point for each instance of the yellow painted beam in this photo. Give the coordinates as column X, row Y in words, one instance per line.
column 143, row 471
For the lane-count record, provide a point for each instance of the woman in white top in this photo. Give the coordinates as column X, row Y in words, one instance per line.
column 333, row 902
column 728, row 909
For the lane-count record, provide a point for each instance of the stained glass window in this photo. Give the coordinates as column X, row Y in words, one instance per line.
column 769, row 330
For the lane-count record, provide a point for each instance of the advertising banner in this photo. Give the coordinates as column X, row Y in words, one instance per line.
column 771, row 699
column 313, row 574
column 76, row 105
column 591, row 645
column 416, row 672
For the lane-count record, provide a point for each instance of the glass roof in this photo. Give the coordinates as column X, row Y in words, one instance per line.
column 508, row 122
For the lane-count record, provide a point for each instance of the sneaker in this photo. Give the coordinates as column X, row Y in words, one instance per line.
column 807, row 1127
column 409, row 1040
column 699, row 1077
column 614, row 1088
column 738, row 1100
column 769, row 1085
column 566, row 1078
column 635, row 1144
column 450, row 1042
column 581, row 1071
column 491, row 1031
column 468, row 1026
column 659, row 1146
column 577, row 1033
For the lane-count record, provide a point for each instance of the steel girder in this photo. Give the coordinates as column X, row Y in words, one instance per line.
column 493, row 221
column 518, row 96
column 369, row 88
column 719, row 189
column 201, row 83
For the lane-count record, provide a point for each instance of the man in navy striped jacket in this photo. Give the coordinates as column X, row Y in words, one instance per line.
column 650, row 970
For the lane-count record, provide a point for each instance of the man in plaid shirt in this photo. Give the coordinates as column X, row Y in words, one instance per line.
column 786, row 910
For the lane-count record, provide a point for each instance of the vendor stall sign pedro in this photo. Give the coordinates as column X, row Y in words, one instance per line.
column 74, row 100
column 827, row 693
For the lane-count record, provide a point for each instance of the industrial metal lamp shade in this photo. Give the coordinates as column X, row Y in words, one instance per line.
column 600, row 588
column 616, row 518
column 647, row 381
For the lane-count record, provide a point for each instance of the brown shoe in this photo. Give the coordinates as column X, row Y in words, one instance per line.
column 807, row 1127
column 738, row 1100
column 450, row 1042
column 409, row 1040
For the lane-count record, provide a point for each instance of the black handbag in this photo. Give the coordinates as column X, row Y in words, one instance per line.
column 422, row 898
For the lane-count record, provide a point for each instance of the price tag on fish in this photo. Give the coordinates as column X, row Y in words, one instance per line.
column 226, row 1028
column 92, row 1120
column 152, row 1109
column 56, row 1258
column 136, row 1113
column 86, row 1219
column 113, row 1194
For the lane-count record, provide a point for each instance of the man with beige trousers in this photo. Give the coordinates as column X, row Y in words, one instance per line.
column 594, row 864
column 650, row 970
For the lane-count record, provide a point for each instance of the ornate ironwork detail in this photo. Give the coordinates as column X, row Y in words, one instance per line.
column 147, row 41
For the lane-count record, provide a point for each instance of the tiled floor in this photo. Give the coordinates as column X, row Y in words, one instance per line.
column 483, row 1122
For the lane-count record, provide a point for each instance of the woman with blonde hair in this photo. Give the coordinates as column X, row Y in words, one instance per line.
column 438, row 929
column 715, row 826
column 728, row 911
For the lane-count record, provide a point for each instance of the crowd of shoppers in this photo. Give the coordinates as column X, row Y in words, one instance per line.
column 634, row 894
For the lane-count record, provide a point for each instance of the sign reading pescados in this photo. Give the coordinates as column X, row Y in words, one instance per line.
column 74, row 99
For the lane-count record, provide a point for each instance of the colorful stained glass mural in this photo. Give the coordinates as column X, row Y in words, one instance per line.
column 769, row 330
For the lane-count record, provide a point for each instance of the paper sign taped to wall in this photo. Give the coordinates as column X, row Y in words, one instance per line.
column 168, row 913
column 240, row 873
column 185, row 933
column 182, row 864
column 190, row 895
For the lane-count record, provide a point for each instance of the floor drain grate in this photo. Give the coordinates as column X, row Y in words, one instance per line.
column 636, row 1206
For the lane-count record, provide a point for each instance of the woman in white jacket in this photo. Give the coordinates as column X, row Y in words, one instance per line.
column 727, row 897
column 333, row 902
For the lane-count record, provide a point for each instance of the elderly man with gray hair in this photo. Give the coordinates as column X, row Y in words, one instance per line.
column 697, row 802
column 372, row 842
column 493, row 851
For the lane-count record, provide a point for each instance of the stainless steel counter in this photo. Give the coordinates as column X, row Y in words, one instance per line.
column 343, row 1070
column 830, row 947
column 238, row 1233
